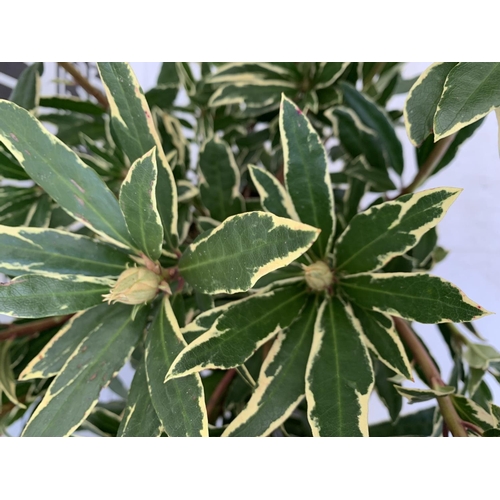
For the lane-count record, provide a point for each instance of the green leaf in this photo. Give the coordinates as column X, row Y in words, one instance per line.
column 132, row 122
column 140, row 418
column 306, row 174
column 419, row 395
column 220, row 180
column 375, row 117
column 470, row 92
column 257, row 95
column 40, row 213
column 414, row 424
column 390, row 229
column 416, row 297
column 179, row 403
column 356, row 138
column 50, row 360
column 469, row 411
column 424, row 151
column 234, row 72
column 383, row 340
column 233, row 256
column 27, row 91
column 32, row 296
column 422, row 101
column 75, row 391
column 162, row 96
column 71, row 103
column 273, row 196
column 56, row 254
column 7, row 379
column 10, row 169
column 281, row 383
column 378, row 180
column 240, row 331
column 491, row 433
column 479, row 356
column 327, row 73
column 59, row 171
column 389, row 396
column 138, row 204
column 339, row 376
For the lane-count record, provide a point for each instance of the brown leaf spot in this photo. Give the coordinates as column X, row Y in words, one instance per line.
column 92, row 377
column 14, row 137
column 82, row 203
column 27, row 152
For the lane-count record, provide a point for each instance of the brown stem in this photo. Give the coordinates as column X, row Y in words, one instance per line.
column 472, row 427
column 218, row 395
column 435, row 156
column 25, row 329
column 85, row 84
column 450, row 415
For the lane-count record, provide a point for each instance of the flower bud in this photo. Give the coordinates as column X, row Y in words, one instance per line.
column 136, row 285
column 318, row 275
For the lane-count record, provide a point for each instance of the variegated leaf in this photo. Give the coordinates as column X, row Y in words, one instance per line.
column 273, row 196
column 50, row 360
column 57, row 254
column 27, row 90
column 257, row 95
column 281, row 383
column 471, row 91
column 138, row 204
column 133, row 124
column 419, row 395
column 356, row 138
column 140, row 418
column 59, row 171
column 75, row 391
column 479, row 356
column 220, row 180
column 240, row 330
column 422, row 101
column 7, row 378
column 375, row 117
column 179, row 403
column 390, row 229
column 339, row 375
column 232, row 257
column 469, row 411
column 234, row 72
column 378, row 180
column 306, row 174
column 383, row 340
column 328, row 73
column 71, row 103
column 11, row 169
column 32, row 296
column 413, row 296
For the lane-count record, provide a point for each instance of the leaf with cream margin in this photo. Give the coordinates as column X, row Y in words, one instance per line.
column 281, row 383
column 132, row 122
column 61, row 173
column 75, row 391
column 56, row 254
column 470, row 92
column 138, row 204
column 306, row 174
column 240, row 330
column 179, row 403
column 384, row 231
column 32, row 296
column 339, row 374
column 413, row 296
column 273, row 196
column 232, row 257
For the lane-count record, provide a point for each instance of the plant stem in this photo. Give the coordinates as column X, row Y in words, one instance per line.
column 426, row 170
column 218, row 395
column 450, row 415
column 25, row 329
column 85, row 84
